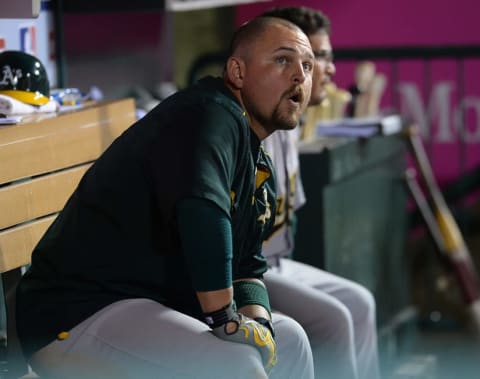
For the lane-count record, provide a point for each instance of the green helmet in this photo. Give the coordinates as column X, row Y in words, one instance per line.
column 23, row 77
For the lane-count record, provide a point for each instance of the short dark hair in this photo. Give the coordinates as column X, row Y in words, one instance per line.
column 310, row 20
column 251, row 30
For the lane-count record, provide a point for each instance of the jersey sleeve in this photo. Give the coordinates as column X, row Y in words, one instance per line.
column 201, row 145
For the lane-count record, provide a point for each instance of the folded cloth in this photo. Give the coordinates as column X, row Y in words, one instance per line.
column 11, row 106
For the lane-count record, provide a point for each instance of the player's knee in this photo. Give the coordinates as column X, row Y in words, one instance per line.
column 291, row 337
column 337, row 326
column 342, row 322
column 245, row 364
column 367, row 299
column 294, row 352
column 363, row 308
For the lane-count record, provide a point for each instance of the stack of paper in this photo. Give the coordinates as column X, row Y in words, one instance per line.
column 360, row 127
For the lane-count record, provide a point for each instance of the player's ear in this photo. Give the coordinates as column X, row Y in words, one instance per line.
column 234, row 70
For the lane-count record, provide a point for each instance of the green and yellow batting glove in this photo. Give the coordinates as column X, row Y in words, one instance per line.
column 256, row 332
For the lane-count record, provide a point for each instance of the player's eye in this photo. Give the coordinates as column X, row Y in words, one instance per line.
column 307, row 66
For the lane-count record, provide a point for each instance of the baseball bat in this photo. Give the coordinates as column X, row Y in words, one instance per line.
column 453, row 246
column 425, row 210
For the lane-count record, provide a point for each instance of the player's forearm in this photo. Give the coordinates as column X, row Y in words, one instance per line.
column 206, row 239
column 254, row 311
column 211, row 301
column 252, row 297
column 207, row 249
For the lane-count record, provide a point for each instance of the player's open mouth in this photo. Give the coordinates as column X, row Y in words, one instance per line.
column 296, row 97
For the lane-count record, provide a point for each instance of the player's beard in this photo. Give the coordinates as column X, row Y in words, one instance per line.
column 284, row 118
column 279, row 119
column 284, row 121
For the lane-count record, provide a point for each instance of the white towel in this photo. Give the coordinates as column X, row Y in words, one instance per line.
column 10, row 106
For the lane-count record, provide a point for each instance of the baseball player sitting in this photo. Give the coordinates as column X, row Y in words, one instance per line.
column 153, row 269
column 337, row 314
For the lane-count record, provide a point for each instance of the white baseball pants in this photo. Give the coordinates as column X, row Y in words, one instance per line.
column 142, row 339
column 337, row 314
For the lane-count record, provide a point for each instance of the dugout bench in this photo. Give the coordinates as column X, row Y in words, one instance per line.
column 41, row 162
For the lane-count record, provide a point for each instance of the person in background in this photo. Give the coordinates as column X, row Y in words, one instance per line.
column 337, row 314
column 154, row 266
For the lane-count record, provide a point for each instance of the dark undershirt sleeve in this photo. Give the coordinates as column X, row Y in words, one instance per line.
column 206, row 239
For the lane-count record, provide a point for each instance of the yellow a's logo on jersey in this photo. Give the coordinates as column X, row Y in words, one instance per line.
column 268, row 212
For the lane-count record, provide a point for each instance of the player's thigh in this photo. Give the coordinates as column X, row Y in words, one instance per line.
column 140, row 338
column 318, row 312
column 355, row 297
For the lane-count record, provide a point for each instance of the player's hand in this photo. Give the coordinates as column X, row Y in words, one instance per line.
column 243, row 329
column 229, row 325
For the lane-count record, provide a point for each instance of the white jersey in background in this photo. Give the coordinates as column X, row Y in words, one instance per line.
column 282, row 148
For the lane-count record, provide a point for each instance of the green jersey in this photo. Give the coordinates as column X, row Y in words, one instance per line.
column 117, row 236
